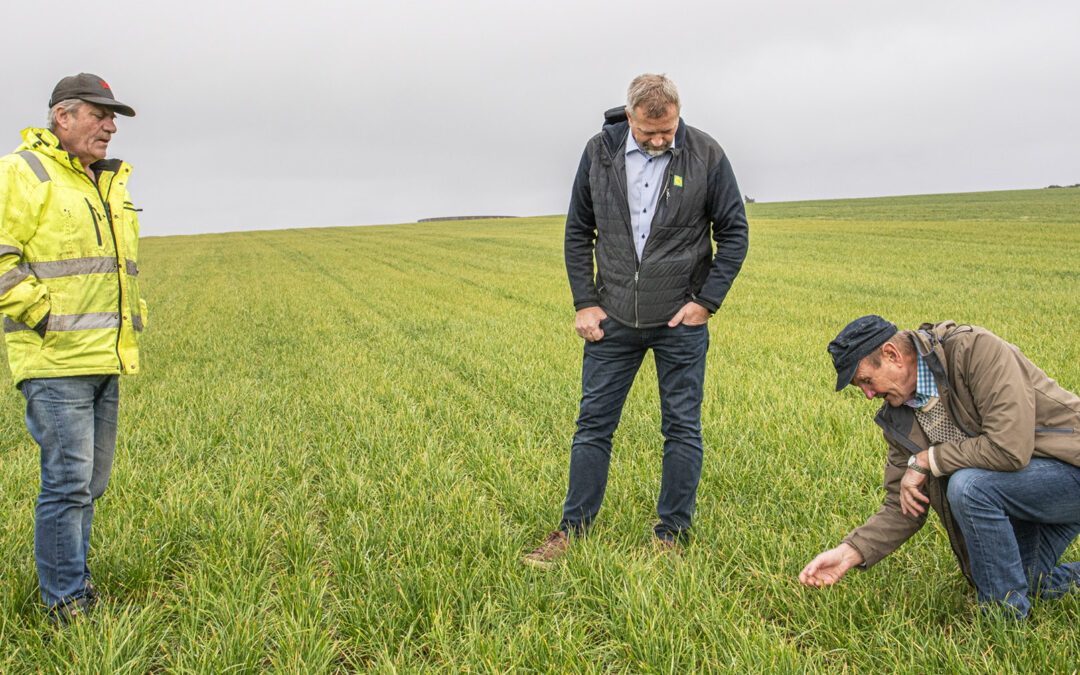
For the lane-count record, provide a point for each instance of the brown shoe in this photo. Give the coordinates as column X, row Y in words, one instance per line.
column 91, row 595
column 550, row 551
column 69, row 612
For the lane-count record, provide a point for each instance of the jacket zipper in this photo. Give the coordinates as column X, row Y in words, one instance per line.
column 636, row 320
column 620, row 180
column 93, row 214
column 119, row 275
column 116, row 252
column 662, row 200
column 656, row 217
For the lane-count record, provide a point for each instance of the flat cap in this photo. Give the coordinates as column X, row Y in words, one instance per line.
column 89, row 88
column 857, row 341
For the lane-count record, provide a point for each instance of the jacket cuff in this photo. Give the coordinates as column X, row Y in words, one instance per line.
column 934, row 469
column 947, row 458
column 578, row 306
column 36, row 313
column 707, row 304
column 852, row 540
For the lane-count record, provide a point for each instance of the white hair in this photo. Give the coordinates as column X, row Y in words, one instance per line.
column 70, row 105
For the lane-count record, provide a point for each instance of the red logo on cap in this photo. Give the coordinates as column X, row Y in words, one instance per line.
column 103, row 83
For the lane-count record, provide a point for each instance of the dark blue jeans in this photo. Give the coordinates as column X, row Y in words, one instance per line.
column 73, row 419
column 607, row 372
column 1016, row 525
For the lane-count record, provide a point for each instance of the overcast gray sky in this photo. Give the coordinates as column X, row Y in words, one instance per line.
column 255, row 115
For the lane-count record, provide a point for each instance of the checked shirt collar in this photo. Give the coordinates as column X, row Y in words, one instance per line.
column 925, row 387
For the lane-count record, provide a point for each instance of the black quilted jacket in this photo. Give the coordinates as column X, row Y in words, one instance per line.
column 700, row 198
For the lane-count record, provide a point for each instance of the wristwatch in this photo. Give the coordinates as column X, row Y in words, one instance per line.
column 914, row 466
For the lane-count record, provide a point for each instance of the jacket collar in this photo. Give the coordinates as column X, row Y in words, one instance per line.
column 930, row 342
column 46, row 142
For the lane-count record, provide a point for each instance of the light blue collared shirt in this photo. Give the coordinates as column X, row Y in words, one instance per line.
column 644, row 175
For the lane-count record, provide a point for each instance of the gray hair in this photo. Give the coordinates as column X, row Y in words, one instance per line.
column 902, row 340
column 654, row 93
column 69, row 105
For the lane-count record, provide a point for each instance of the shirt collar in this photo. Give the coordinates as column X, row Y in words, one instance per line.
column 925, row 387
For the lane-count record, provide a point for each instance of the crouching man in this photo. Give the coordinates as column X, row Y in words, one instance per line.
column 984, row 437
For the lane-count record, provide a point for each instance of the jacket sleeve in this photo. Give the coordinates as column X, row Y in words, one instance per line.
column 730, row 232
column 886, row 530
column 1005, row 400
column 580, row 239
column 23, row 298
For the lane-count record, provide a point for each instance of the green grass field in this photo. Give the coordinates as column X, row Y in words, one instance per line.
column 344, row 440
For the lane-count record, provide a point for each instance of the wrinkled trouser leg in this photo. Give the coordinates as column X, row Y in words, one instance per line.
column 680, row 371
column 1016, row 525
column 607, row 372
column 1041, row 546
column 73, row 420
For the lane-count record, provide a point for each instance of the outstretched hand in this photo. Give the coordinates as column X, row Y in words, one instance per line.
column 830, row 566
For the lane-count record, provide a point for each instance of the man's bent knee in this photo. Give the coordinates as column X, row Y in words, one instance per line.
column 963, row 489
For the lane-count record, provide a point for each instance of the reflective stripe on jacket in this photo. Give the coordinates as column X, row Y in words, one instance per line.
column 68, row 250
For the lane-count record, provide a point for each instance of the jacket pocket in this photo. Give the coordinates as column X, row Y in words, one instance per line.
column 1054, row 430
column 93, row 214
column 54, row 313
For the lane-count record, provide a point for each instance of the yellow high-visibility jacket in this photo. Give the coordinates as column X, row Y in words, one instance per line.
column 68, row 251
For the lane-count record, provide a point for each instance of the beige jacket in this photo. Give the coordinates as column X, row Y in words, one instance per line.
column 1009, row 407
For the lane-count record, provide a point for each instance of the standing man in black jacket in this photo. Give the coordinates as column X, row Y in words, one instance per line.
column 648, row 194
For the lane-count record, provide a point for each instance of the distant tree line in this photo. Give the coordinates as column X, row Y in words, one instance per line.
column 432, row 220
column 1062, row 186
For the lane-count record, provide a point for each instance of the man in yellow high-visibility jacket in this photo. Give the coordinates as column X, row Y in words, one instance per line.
column 72, row 316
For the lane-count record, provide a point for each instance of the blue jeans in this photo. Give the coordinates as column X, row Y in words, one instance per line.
column 73, row 419
column 1017, row 524
column 607, row 372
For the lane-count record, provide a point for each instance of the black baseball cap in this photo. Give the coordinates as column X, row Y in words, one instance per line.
column 857, row 341
column 89, row 88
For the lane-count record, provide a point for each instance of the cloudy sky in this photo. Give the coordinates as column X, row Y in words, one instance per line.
column 268, row 114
